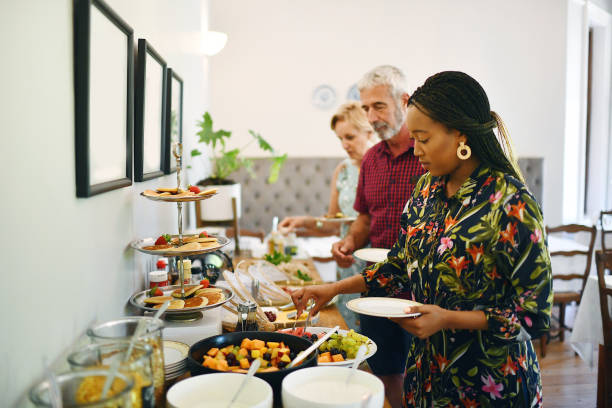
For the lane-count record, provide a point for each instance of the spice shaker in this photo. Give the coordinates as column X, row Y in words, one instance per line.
column 247, row 316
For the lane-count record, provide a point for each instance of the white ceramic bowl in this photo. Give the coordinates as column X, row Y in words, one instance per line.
column 323, row 387
column 216, row 391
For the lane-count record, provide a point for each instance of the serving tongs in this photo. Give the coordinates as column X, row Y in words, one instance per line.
column 308, row 309
column 302, row 355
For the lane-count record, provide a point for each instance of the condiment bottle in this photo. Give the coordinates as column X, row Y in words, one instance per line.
column 290, row 244
column 186, row 270
column 247, row 316
column 275, row 243
column 158, row 278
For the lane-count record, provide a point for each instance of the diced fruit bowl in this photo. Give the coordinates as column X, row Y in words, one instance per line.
column 214, row 355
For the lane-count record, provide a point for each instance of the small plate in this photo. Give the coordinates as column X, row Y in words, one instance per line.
column 371, row 254
column 339, row 220
column 140, row 243
column 173, row 199
column 382, row 306
column 174, row 352
column 138, row 298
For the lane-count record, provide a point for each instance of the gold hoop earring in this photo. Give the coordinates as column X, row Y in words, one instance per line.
column 463, row 151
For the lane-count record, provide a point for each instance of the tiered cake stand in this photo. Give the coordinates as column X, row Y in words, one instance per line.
column 190, row 313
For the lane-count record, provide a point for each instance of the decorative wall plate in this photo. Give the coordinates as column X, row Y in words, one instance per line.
column 353, row 93
column 323, row 97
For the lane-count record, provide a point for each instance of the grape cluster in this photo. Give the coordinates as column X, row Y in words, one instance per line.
column 347, row 345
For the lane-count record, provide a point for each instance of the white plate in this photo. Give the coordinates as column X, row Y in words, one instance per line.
column 349, row 362
column 382, row 306
column 340, row 220
column 371, row 254
column 174, row 352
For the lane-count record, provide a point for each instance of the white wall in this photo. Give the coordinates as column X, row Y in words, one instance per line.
column 581, row 17
column 279, row 51
column 65, row 260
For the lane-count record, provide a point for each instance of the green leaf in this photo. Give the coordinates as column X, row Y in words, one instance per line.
column 208, row 136
column 472, row 371
column 275, row 168
column 456, row 381
column 459, row 352
column 195, row 152
column 265, row 146
column 497, row 351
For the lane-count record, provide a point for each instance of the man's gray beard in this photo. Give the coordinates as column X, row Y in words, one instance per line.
column 388, row 132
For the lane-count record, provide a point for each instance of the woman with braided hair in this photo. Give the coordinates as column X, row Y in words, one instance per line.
column 472, row 251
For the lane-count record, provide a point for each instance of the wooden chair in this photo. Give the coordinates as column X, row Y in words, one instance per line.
column 563, row 298
column 605, row 221
column 603, row 261
column 230, row 233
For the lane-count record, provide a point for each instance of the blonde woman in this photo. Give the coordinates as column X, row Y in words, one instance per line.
column 356, row 135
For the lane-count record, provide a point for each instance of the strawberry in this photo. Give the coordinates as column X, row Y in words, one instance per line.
column 205, row 282
column 194, row 189
column 161, row 264
column 203, row 234
column 161, row 240
column 155, row 291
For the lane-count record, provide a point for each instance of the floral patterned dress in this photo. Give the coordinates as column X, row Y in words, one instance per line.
column 481, row 249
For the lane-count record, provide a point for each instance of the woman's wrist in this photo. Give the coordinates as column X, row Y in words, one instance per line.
column 464, row 319
column 447, row 318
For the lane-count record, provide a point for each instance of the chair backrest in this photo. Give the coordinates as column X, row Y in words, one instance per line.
column 605, row 220
column 603, row 261
column 573, row 229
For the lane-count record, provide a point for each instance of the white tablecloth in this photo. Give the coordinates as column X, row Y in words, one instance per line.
column 587, row 332
column 566, row 264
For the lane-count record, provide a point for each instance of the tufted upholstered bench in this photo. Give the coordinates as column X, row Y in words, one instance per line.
column 303, row 188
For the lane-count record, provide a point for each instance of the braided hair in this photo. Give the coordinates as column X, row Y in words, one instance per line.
column 457, row 100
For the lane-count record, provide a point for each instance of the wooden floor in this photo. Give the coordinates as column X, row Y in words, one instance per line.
column 567, row 381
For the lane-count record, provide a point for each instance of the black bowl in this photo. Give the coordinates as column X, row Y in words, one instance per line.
column 274, row 378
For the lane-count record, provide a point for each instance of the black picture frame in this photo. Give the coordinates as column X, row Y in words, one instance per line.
column 142, row 134
column 174, row 123
column 104, row 98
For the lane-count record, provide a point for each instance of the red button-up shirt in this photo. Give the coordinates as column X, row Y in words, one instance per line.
column 385, row 186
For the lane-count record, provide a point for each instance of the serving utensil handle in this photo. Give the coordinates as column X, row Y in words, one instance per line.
column 312, row 348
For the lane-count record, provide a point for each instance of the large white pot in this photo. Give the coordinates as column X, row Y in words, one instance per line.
column 219, row 207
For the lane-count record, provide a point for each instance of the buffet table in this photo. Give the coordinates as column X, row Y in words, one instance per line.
column 328, row 317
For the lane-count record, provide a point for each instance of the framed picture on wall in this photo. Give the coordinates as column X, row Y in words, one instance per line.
column 174, row 118
column 103, row 90
column 149, row 113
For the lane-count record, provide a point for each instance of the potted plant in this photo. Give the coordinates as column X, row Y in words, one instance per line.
column 224, row 163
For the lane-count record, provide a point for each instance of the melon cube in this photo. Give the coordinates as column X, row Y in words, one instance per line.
column 244, row 363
